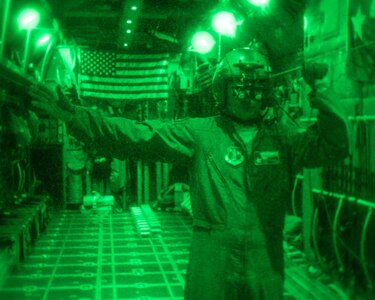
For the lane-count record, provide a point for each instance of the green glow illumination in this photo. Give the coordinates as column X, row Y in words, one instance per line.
column 43, row 40
column 305, row 23
column 259, row 2
column 28, row 19
column 224, row 23
column 203, row 42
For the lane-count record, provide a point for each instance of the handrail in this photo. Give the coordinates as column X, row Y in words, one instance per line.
column 351, row 118
column 342, row 196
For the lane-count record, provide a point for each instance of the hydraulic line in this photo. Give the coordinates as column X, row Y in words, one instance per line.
column 334, row 234
column 314, row 235
column 363, row 249
column 295, row 185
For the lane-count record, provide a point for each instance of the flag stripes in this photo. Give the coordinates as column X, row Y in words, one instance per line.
column 204, row 76
column 124, row 77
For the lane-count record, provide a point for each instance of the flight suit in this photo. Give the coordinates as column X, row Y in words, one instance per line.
column 238, row 190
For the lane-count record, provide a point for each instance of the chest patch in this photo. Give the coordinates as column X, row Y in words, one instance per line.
column 234, row 156
column 266, row 158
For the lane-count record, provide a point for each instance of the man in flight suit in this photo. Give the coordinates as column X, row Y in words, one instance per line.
column 241, row 166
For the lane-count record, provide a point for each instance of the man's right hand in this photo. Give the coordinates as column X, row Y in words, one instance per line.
column 53, row 103
column 315, row 74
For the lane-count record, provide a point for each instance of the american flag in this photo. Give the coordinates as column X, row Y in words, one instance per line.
column 127, row 77
column 203, row 79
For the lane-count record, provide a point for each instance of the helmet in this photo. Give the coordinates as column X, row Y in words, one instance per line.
column 244, row 66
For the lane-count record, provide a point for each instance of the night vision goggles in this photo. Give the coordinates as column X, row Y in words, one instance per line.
column 247, row 69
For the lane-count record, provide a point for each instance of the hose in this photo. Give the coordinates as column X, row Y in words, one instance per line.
column 363, row 249
column 334, row 234
column 314, row 237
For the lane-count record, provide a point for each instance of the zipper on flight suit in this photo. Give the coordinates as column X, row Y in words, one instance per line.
column 222, row 178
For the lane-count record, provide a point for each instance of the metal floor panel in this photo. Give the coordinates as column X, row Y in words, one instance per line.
column 101, row 257
column 82, row 257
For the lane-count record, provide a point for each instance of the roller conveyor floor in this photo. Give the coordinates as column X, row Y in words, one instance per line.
column 104, row 257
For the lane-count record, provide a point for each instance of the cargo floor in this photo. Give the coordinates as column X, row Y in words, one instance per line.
column 102, row 257
column 82, row 257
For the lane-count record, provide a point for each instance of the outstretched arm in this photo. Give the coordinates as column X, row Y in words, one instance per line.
column 326, row 141
column 118, row 137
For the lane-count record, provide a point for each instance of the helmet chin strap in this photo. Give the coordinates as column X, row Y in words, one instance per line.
column 233, row 117
column 262, row 116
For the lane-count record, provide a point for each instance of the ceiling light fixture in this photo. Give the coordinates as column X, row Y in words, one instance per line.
column 224, row 23
column 43, row 40
column 203, row 42
column 259, row 2
column 28, row 19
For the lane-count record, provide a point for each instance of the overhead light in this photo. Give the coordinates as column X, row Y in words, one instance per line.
column 259, row 2
column 28, row 19
column 43, row 40
column 126, row 44
column 203, row 42
column 224, row 23
column 128, row 31
column 129, row 21
column 134, row 8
